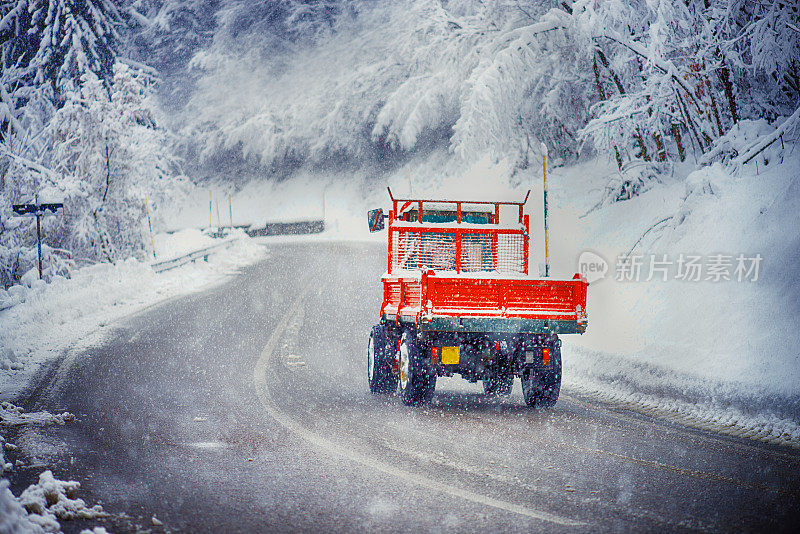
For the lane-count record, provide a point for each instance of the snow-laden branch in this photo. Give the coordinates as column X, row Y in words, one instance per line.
column 553, row 20
column 8, row 109
column 141, row 67
column 767, row 140
column 11, row 18
column 720, row 146
column 138, row 17
column 664, row 65
column 32, row 165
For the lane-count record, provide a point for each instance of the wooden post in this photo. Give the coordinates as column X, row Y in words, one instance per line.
column 39, row 237
column 149, row 225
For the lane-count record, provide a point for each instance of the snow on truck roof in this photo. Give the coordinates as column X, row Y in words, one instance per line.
column 439, row 205
column 453, row 225
column 470, row 204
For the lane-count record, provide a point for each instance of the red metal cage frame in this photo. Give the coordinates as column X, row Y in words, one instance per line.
column 401, row 205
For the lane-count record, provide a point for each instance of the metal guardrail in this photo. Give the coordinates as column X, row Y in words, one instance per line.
column 203, row 253
column 287, row 228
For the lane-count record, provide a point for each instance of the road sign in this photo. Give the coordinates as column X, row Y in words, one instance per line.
column 35, row 210
column 38, row 210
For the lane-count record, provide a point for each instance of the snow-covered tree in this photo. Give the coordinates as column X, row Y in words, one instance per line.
column 46, row 47
column 531, row 85
column 649, row 79
column 77, row 127
column 109, row 152
column 166, row 33
column 761, row 43
column 52, row 43
column 389, row 78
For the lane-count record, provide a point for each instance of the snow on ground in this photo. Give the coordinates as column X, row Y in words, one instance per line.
column 74, row 312
column 178, row 243
column 11, row 415
column 41, row 506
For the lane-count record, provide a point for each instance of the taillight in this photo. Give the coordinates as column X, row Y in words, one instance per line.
column 545, row 356
column 434, row 355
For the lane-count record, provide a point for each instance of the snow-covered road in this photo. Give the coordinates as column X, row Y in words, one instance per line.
column 245, row 408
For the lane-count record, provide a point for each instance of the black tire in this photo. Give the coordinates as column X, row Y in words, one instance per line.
column 541, row 386
column 417, row 384
column 379, row 362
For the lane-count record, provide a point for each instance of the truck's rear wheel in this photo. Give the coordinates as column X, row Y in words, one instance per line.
column 379, row 364
column 417, row 385
column 540, row 385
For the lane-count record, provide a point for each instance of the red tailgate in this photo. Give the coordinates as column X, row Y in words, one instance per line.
column 465, row 296
column 539, row 299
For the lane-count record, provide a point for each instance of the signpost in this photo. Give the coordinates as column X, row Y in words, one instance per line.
column 38, row 211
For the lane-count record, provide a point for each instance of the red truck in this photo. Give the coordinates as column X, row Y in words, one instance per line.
column 457, row 298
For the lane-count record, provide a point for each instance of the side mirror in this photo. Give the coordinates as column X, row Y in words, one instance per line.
column 375, row 220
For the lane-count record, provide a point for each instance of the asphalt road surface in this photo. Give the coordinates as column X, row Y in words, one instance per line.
column 245, row 408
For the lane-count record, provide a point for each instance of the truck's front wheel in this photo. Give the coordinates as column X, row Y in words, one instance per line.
column 541, row 386
column 417, row 384
column 379, row 367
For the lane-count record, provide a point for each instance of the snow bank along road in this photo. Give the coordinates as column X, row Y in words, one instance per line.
column 246, row 408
